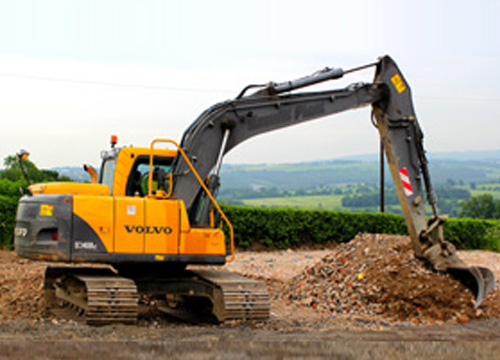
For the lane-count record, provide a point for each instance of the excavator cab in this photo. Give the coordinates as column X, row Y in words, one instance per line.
column 136, row 166
column 126, row 171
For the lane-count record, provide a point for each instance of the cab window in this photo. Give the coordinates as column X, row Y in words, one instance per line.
column 108, row 173
column 137, row 184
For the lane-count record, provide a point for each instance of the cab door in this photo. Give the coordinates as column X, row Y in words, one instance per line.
column 162, row 219
column 129, row 225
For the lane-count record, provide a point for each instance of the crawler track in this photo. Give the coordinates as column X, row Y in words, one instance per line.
column 242, row 298
column 100, row 296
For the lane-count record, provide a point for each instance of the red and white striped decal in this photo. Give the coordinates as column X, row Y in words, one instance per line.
column 405, row 179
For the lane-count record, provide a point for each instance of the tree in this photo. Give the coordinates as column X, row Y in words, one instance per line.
column 481, row 207
column 13, row 172
column 450, row 182
column 11, row 180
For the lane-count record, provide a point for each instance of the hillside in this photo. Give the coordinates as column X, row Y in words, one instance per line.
column 479, row 167
column 73, row 172
column 473, row 166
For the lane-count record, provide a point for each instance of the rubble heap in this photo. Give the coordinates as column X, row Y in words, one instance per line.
column 378, row 275
column 21, row 284
column 373, row 277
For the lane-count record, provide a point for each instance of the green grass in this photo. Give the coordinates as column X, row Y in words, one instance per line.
column 327, row 202
column 331, row 202
column 334, row 202
column 490, row 189
column 495, row 194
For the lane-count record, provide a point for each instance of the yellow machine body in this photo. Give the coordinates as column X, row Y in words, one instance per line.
column 139, row 225
column 112, row 222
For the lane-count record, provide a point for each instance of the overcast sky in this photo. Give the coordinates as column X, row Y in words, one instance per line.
column 74, row 72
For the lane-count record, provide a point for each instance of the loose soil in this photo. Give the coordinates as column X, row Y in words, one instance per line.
column 379, row 275
column 367, row 299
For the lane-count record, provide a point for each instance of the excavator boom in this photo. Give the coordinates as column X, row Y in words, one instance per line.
column 275, row 106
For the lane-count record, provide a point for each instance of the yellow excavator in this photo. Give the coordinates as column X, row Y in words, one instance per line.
column 152, row 211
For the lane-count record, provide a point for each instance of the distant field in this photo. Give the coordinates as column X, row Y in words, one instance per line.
column 330, row 202
column 326, row 202
column 492, row 189
column 495, row 194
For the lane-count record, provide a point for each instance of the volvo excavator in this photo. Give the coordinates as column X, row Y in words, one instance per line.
column 152, row 210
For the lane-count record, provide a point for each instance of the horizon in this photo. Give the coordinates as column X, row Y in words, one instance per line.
column 484, row 155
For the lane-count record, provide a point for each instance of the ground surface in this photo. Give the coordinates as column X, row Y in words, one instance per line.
column 368, row 299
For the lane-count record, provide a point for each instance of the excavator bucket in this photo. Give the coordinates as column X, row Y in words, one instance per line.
column 478, row 279
column 443, row 257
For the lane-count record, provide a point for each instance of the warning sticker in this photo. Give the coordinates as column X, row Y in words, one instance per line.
column 405, row 180
column 398, row 83
column 46, row 210
column 131, row 210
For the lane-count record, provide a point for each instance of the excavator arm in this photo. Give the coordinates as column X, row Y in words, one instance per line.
column 402, row 139
column 228, row 124
column 274, row 106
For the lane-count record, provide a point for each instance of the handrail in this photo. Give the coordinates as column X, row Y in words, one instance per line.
column 204, row 187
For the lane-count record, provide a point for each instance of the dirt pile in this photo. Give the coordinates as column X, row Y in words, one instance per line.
column 378, row 275
column 372, row 277
column 21, row 283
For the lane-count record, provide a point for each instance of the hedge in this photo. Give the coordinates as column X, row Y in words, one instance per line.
column 8, row 206
column 282, row 228
column 473, row 233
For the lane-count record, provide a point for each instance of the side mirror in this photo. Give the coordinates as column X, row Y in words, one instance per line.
column 21, row 156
